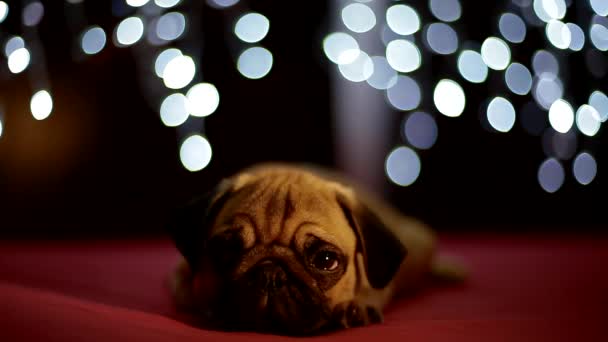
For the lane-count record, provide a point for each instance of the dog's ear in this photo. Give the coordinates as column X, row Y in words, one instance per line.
column 189, row 224
column 382, row 251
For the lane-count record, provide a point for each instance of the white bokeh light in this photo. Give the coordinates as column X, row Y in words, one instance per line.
column 402, row 19
column 600, row 7
column 547, row 10
column 501, row 114
column 359, row 70
column 255, row 62
column 93, row 40
column 403, row 55
column 544, row 63
column 512, row 27
column 129, row 31
column 358, row 18
column 420, row 130
column 163, row 59
column 558, row 34
column 584, row 168
column 1, row 127
column 136, row 3
column 341, row 48
column 446, row 10
column 599, row 101
column 518, row 79
column 195, row 153
column 472, row 67
column 170, row 26
column 441, row 38
column 252, row 27
column 449, row 98
column 13, row 44
column 402, row 166
column 173, row 110
column 166, row 3
column 577, row 36
column 179, row 72
column 561, row 116
column 405, row 94
column 18, row 60
column 495, row 53
column 203, row 99
column 547, row 90
column 41, row 105
column 599, row 36
column 3, row 11
column 588, row 120
column 32, row 13
column 383, row 76
column 551, row 175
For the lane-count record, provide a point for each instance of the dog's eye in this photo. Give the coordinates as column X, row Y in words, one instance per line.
column 326, row 261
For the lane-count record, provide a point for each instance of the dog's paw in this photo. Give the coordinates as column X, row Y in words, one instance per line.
column 353, row 314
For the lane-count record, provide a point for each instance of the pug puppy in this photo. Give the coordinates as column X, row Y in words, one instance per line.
column 291, row 250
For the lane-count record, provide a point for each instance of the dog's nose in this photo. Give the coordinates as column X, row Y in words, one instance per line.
column 270, row 275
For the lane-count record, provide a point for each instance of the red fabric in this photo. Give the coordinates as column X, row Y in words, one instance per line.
column 520, row 289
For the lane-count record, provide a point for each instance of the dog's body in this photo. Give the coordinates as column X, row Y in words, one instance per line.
column 295, row 250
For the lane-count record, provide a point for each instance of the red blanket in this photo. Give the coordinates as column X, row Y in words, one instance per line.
column 521, row 289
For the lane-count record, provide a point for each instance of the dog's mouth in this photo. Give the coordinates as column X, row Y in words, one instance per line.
column 269, row 298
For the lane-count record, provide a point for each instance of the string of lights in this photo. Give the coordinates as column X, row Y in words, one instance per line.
column 396, row 71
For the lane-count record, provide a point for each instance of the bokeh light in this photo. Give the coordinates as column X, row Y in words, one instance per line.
column 588, row 120
column 495, row 53
column 599, row 101
column 599, row 36
column 446, row 10
column 512, row 27
column 518, row 79
column 33, row 13
column 441, row 38
column 558, row 34
column 383, row 76
column 93, row 40
column 173, row 110
column 166, row 3
column 255, row 62
column 544, row 62
column 402, row 166
column 3, row 11
column 1, row 127
column 402, row 19
column 129, row 31
column 560, row 145
column 18, row 60
column 340, row 48
column 600, row 7
column 170, row 26
column 405, row 94
column 222, row 3
column 501, row 114
column 252, row 27
column 359, row 70
column 551, row 175
column 547, row 90
column 163, row 59
column 41, row 105
column 584, row 168
column 561, row 116
column 403, row 55
column 577, row 36
column 420, row 130
column 449, row 98
column 179, row 72
column 195, row 153
column 358, row 18
column 547, row 10
column 13, row 44
column 203, row 99
column 472, row 67
column 136, row 3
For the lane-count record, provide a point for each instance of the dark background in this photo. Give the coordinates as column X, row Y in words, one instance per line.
column 103, row 162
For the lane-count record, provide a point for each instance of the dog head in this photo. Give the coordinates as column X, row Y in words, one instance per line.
column 277, row 248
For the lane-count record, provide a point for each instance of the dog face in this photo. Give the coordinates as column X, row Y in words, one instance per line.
column 275, row 249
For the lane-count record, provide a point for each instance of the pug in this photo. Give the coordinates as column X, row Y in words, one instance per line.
column 298, row 251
